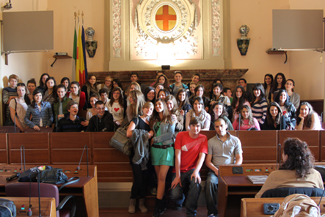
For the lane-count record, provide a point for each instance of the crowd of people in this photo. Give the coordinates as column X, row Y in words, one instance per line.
column 164, row 122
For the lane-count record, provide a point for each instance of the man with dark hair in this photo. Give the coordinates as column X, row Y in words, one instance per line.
column 190, row 150
column 71, row 122
column 103, row 121
column 227, row 92
column 242, row 82
column 195, row 79
column 134, row 77
column 223, row 149
column 103, row 93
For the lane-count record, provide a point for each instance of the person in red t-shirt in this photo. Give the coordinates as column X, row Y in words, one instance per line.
column 191, row 147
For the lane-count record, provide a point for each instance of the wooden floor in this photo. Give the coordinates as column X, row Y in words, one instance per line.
column 202, row 211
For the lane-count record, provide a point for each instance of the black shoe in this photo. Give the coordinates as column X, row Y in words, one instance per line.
column 178, row 207
column 160, row 208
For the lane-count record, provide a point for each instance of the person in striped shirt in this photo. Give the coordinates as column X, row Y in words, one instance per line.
column 259, row 103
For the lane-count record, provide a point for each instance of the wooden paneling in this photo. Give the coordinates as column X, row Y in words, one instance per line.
column 109, row 155
column 311, row 137
column 322, row 146
column 68, row 148
column 258, row 146
column 3, row 149
column 36, row 147
column 101, row 139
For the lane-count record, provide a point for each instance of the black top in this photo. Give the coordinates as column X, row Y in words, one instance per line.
column 141, row 124
column 67, row 125
column 104, row 124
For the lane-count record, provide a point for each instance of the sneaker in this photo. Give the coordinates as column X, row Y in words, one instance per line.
column 153, row 191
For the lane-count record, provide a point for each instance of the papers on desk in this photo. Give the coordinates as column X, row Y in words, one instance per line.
column 257, row 179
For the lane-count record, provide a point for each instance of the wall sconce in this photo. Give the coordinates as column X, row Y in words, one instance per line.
column 243, row 41
column 91, row 45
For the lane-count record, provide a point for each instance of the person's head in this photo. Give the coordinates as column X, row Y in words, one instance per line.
column 161, row 107
column 171, row 103
column 103, row 93
column 134, row 77
column 199, row 90
column 181, row 96
column 92, row 80
column 31, row 85
column 258, row 91
column 178, row 76
column 73, row 107
column 290, row 85
column 93, row 99
column 240, row 92
column 108, row 81
column 100, row 108
column 297, row 156
column 21, row 89
column 305, row 109
column 50, row 83
column 282, row 97
column 136, row 99
column 274, row 113
column 61, row 91
column 147, row 109
column 66, row 82
column 197, row 104
column 219, row 110
column 246, row 112
column 37, row 96
column 217, row 89
column 13, row 80
column 162, row 79
column 158, row 87
column 150, row 94
column 163, row 93
column 135, row 86
column 159, row 73
column 242, row 82
column 117, row 96
column 195, row 126
column 279, row 80
column 268, row 80
column 227, row 92
column 192, row 87
column 42, row 80
column 220, row 126
column 196, row 78
column 239, row 98
column 75, row 88
column 117, row 83
column 217, row 81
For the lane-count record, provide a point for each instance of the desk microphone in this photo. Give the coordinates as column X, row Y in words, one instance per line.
column 239, row 117
column 12, row 177
column 278, row 162
column 22, row 151
column 78, row 167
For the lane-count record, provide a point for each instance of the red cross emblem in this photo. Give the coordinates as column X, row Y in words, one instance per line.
column 168, row 19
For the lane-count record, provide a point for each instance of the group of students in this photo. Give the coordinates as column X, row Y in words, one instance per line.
column 164, row 123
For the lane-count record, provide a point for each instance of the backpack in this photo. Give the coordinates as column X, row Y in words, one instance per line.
column 298, row 205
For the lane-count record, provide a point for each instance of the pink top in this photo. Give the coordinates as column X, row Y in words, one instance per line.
column 245, row 125
column 235, row 114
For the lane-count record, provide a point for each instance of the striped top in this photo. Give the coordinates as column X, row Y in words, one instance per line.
column 259, row 110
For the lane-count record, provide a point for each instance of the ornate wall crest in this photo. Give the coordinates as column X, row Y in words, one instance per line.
column 166, row 22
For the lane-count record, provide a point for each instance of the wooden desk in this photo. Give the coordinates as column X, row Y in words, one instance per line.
column 253, row 207
column 48, row 208
column 238, row 184
column 86, row 189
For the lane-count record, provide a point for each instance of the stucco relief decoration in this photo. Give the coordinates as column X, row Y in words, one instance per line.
column 166, row 23
column 216, row 40
column 116, row 17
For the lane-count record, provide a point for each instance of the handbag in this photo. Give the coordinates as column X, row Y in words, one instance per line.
column 120, row 141
column 7, row 208
column 31, row 174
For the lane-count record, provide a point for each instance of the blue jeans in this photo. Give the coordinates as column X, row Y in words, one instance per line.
column 211, row 193
column 177, row 195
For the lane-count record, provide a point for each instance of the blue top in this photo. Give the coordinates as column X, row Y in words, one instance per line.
column 45, row 114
